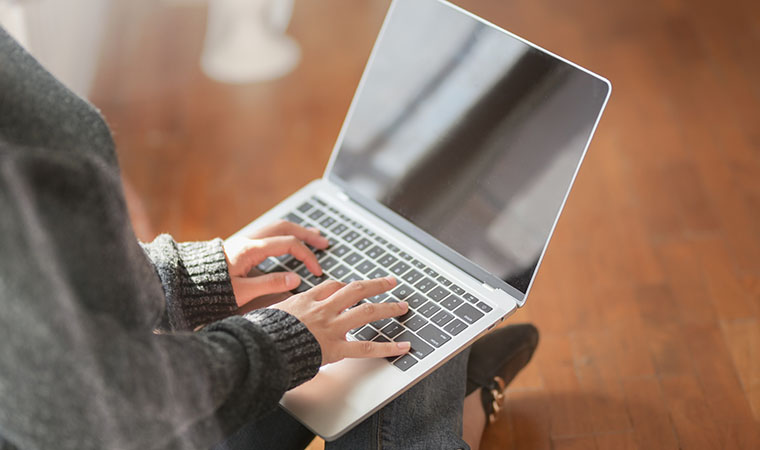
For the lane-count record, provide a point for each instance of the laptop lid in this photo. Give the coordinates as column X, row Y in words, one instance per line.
column 467, row 138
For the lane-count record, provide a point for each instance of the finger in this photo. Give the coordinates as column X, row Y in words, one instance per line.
column 311, row 236
column 246, row 289
column 324, row 289
column 366, row 349
column 357, row 290
column 370, row 312
column 280, row 245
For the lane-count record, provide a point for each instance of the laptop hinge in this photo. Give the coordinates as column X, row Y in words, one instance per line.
column 490, row 288
column 342, row 195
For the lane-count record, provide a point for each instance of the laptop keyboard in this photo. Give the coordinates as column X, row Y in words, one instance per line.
column 438, row 308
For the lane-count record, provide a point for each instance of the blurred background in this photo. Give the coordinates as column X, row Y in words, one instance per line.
column 648, row 299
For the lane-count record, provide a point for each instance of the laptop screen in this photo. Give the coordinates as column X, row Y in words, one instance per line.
column 470, row 134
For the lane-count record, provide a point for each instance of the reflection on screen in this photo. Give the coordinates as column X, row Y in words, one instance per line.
column 470, row 134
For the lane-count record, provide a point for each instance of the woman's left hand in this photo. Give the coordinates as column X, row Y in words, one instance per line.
column 244, row 253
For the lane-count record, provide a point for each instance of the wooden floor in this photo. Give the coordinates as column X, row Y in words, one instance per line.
column 648, row 300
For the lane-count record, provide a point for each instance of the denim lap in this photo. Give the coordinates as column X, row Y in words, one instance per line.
column 427, row 416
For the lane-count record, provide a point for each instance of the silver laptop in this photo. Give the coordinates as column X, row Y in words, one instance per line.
column 450, row 172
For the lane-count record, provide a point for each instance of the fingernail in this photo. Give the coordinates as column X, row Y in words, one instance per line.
column 391, row 279
column 404, row 345
column 291, row 278
column 403, row 306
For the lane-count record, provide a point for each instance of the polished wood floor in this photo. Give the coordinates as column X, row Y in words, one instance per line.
column 648, row 300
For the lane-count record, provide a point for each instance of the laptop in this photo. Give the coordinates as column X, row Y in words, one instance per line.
column 450, row 171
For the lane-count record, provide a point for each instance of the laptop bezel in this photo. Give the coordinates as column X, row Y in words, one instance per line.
column 416, row 233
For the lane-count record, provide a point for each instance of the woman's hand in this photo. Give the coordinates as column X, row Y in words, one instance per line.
column 244, row 253
column 327, row 311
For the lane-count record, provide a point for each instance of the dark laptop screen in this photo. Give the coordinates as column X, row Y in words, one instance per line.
column 470, row 134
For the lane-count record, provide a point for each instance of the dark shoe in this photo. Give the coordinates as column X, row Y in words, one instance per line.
column 495, row 360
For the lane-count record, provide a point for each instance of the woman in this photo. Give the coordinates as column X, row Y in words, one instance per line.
column 109, row 343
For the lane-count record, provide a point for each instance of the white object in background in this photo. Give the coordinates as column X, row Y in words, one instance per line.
column 64, row 36
column 246, row 41
column 12, row 19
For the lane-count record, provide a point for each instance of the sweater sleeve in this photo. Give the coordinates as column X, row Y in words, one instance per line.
column 195, row 280
column 80, row 364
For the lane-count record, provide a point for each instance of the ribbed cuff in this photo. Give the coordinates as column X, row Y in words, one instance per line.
column 196, row 281
column 299, row 349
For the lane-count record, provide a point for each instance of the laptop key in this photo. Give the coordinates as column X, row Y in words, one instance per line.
column 316, row 214
column 365, row 267
column 327, row 222
column 305, row 207
column 267, row 264
column 392, row 329
column 412, row 276
column 328, row 263
column 444, row 281
column 457, row 290
column 387, row 260
column 303, row 287
column 378, row 298
column 351, row 236
column 468, row 313
column 429, row 309
column 362, row 243
column 415, row 301
column 454, row 327
column 406, row 316
column 351, row 278
column 338, row 229
column 303, row 272
column 402, row 292
column 353, row 259
column 293, row 264
column 379, row 324
column 425, row 284
column 433, row 335
column 340, row 271
column 377, row 273
column 415, row 323
column 405, row 255
column 483, row 307
column 375, row 252
column 366, row 334
column 293, row 218
column 438, row 294
column 431, row 272
column 451, row 302
column 380, row 338
column 400, row 268
column 470, row 298
column 442, row 318
column 341, row 250
column 405, row 362
column 315, row 280
column 420, row 348
column 418, row 264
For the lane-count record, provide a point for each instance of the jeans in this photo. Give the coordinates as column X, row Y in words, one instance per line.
column 427, row 416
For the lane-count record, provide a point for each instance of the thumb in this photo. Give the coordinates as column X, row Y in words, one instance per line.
column 246, row 289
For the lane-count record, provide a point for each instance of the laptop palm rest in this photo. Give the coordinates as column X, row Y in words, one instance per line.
column 343, row 393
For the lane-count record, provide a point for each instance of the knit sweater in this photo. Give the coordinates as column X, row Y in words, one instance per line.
column 97, row 341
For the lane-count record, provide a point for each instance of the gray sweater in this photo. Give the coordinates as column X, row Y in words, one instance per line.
column 97, row 348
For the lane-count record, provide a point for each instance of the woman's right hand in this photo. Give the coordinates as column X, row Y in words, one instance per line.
column 329, row 312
